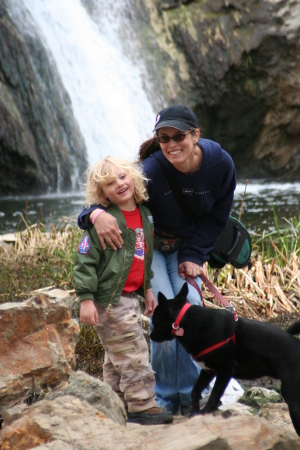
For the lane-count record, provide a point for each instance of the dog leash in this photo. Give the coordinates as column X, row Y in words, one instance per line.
column 192, row 282
column 218, row 295
column 212, row 288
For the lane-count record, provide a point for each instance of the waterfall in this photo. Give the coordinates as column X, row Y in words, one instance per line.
column 108, row 100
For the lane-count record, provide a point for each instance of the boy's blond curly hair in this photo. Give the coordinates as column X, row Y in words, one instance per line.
column 101, row 173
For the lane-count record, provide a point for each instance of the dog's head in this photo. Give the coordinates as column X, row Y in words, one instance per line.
column 165, row 314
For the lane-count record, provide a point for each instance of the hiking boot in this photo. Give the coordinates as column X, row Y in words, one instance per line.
column 150, row 416
column 186, row 409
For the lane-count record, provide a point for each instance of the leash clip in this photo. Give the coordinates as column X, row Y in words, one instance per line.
column 231, row 308
column 176, row 330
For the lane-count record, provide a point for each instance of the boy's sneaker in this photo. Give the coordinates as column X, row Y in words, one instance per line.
column 150, row 416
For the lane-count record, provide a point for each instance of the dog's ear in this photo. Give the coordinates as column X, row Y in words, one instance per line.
column 161, row 299
column 183, row 291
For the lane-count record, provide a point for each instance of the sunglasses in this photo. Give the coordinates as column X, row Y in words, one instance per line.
column 179, row 137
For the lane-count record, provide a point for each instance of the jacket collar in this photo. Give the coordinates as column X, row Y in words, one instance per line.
column 117, row 213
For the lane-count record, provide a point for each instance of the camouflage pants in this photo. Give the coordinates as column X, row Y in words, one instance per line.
column 126, row 368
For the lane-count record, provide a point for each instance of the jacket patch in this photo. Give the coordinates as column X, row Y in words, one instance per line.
column 187, row 191
column 84, row 246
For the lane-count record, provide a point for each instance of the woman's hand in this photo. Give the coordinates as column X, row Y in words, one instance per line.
column 88, row 312
column 190, row 269
column 108, row 230
column 150, row 302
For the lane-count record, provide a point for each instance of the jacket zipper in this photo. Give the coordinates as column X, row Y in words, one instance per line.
column 109, row 304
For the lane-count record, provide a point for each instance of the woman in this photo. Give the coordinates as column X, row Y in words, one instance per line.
column 183, row 237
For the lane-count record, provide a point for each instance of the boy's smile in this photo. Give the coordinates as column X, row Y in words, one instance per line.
column 120, row 190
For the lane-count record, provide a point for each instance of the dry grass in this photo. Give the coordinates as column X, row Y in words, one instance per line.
column 264, row 292
column 38, row 259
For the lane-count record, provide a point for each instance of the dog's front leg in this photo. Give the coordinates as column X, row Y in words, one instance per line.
column 221, row 383
column 202, row 382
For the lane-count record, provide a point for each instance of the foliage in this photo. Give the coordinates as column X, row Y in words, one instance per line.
column 38, row 259
column 89, row 352
column 281, row 243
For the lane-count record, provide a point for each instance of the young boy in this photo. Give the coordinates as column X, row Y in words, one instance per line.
column 108, row 282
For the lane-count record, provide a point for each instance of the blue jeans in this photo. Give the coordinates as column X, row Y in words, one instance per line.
column 175, row 371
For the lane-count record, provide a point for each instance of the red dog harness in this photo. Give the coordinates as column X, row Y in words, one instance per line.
column 213, row 347
column 175, row 326
column 179, row 332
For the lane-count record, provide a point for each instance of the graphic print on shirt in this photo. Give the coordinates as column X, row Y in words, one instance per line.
column 139, row 244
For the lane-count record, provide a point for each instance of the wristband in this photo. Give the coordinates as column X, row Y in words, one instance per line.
column 93, row 220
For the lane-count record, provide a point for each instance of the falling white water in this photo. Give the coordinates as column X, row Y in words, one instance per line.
column 106, row 91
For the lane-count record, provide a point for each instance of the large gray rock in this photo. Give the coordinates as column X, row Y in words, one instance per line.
column 96, row 393
column 70, row 423
column 68, row 420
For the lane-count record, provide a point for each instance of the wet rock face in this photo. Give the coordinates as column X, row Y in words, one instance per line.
column 41, row 147
column 236, row 64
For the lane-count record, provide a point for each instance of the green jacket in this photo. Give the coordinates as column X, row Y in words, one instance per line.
column 100, row 275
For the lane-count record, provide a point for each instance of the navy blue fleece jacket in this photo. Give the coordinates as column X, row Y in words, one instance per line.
column 208, row 193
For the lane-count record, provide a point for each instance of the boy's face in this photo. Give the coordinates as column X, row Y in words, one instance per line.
column 120, row 190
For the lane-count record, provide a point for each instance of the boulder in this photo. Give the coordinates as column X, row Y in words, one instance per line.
column 215, row 433
column 66, row 420
column 278, row 414
column 70, row 423
column 38, row 339
column 94, row 392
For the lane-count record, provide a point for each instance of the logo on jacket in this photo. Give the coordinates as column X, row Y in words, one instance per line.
column 187, row 191
column 84, row 246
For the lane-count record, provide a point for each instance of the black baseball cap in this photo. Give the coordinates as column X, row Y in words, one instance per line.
column 176, row 116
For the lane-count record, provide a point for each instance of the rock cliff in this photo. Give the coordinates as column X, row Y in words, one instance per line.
column 236, row 63
column 41, row 147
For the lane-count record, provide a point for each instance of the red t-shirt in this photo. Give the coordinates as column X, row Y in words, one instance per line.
column 135, row 277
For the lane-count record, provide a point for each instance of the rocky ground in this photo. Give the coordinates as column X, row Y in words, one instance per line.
column 46, row 404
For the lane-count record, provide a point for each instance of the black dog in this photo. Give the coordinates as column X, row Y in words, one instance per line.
column 225, row 348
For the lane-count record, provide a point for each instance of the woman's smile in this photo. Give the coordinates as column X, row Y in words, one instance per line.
column 175, row 152
column 186, row 155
